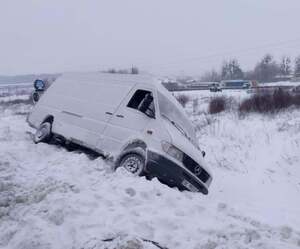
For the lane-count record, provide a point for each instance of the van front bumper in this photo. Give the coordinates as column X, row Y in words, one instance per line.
column 172, row 174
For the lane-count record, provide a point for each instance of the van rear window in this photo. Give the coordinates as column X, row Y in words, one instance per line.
column 137, row 98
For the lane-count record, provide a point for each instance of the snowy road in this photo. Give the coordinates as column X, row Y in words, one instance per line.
column 52, row 198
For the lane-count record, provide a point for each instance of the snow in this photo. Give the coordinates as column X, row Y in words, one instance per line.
column 54, row 198
column 238, row 94
column 14, row 97
column 25, row 84
column 15, row 91
column 281, row 83
column 204, row 96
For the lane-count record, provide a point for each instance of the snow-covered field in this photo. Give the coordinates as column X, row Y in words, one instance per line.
column 53, row 198
column 11, row 90
column 282, row 83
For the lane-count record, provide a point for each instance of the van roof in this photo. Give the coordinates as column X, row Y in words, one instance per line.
column 120, row 79
column 125, row 79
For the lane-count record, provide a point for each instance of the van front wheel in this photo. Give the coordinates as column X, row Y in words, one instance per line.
column 43, row 133
column 134, row 163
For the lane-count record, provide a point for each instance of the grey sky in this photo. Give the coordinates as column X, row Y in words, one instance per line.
column 160, row 36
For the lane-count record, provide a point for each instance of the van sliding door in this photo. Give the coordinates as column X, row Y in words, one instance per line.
column 87, row 109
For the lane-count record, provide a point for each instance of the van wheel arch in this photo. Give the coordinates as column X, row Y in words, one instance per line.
column 135, row 144
column 48, row 119
column 44, row 130
column 43, row 133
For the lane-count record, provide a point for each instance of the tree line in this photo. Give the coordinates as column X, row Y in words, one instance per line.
column 266, row 70
column 132, row 70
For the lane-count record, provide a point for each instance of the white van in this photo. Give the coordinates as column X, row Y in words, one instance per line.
column 130, row 119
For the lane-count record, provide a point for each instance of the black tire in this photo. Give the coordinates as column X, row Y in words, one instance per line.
column 43, row 133
column 134, row 163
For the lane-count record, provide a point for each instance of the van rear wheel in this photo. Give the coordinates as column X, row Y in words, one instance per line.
column 134, row 163
column 43, row 133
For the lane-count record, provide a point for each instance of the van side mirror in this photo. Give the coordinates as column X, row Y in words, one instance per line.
column 39, row 85
column 145, row 104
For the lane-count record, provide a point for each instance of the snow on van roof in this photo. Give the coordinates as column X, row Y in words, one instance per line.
column 124, row 79
column 110, row 78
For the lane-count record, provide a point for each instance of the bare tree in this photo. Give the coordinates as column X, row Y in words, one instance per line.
column 112, row 70
column 134, row 70
column 231, row 70
column 123, row 71
column 266, row 69
column 249, row 75
column 211, row 76
column 297, row 65
column 285, row 67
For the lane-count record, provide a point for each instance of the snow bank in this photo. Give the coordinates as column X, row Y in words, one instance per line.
column 52, row 198
column 256, row 162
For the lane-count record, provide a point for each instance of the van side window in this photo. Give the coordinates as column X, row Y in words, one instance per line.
column 137, row 99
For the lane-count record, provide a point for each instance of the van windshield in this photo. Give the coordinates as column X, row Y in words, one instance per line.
column 171, row 112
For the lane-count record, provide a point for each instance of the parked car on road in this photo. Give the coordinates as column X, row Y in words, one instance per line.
column 215, row 87
column 132, row 120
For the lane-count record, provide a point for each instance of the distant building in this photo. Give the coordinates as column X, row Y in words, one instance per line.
column 237, row 84
column 200, row 85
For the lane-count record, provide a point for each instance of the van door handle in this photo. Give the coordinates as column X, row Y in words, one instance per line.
column 108, row 113
column 120, row 116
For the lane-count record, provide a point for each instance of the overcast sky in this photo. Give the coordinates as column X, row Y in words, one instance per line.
column 159, row 36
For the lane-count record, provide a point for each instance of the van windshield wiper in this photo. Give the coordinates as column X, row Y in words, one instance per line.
column 176, row 125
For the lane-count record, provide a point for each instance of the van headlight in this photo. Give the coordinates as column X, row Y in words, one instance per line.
column 172, row 151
